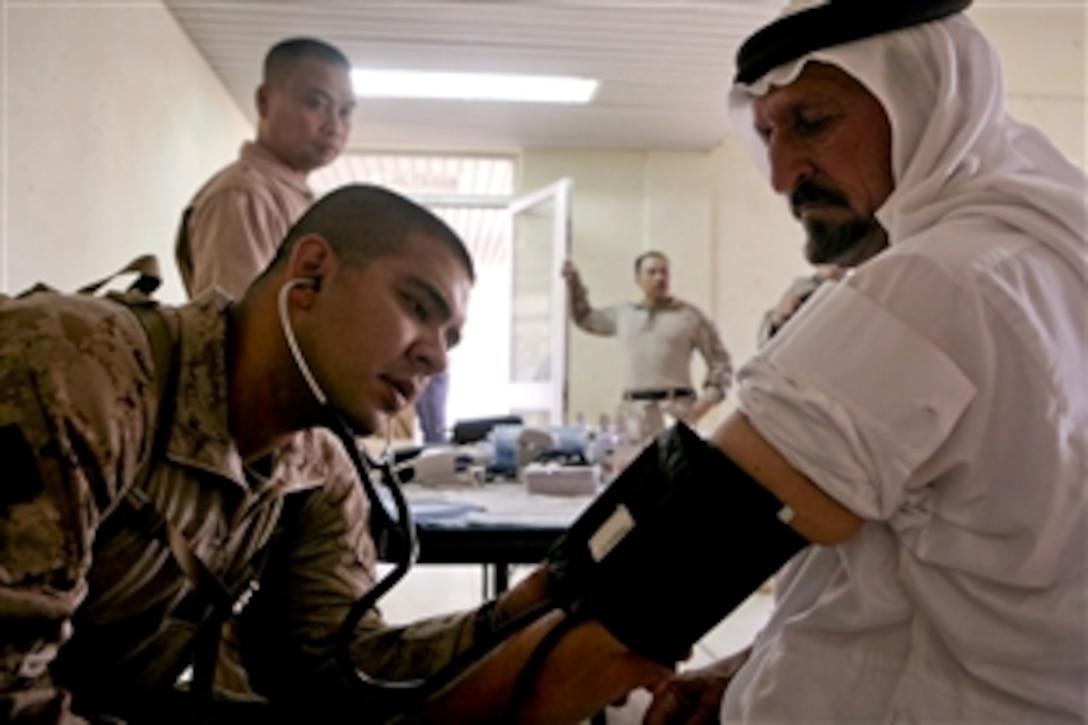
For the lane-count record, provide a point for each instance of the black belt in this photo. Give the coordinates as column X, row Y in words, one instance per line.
column 661, row 394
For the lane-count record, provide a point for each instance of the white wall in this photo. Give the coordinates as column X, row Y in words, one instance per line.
column 1044, row 56
column 111, row 122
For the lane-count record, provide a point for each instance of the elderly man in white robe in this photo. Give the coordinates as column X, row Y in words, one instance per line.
column 937, row 397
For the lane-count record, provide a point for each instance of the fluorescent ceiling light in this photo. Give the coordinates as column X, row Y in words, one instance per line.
column 472, row 86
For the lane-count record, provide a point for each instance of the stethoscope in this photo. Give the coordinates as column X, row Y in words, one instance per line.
column 395, row 538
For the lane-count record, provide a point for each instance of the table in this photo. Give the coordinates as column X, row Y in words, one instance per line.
column 496, row 547
column 495, row 524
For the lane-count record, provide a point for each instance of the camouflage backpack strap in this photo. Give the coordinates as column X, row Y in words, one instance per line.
column 164, row 356
column 143, row 513
column 148, row 277
column 141, row 510
column 145, row 267
column 152, row 318
column 220, row 599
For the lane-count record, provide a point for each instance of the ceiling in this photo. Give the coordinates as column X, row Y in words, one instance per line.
column 664, row 67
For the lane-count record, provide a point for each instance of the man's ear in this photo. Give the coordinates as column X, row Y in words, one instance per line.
column 261, row 99
column 311, row 258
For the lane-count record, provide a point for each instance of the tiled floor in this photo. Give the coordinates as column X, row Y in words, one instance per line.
column 428, row 590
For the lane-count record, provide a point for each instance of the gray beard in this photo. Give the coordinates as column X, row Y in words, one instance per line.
column 844, row 245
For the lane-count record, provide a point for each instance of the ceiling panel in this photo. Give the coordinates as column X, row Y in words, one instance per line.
column 664, row 66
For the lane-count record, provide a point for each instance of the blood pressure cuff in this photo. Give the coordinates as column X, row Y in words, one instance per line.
column 674, row 544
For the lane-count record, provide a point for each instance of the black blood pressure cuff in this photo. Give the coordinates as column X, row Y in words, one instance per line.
column 680, row 539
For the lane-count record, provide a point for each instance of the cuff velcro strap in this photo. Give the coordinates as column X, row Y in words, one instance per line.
column 680, row 539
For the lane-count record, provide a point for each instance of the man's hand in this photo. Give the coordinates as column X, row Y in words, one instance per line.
column 791, row 301
column 785, row 309
column 830, row 272
column 579, row 296
column 570, row 273
column 694, row 697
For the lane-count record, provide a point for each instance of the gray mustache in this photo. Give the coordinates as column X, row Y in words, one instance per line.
column 810, row 193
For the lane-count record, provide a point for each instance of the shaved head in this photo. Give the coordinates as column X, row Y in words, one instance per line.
column 284, row 56
column 362, row 222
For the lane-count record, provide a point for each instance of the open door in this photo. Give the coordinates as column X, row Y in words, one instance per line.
column 540, row 234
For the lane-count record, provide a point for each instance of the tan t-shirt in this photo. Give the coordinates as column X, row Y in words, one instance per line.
column 658, row 345
column 235, row 223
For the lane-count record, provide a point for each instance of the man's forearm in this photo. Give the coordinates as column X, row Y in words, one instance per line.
column 585, row 671
column 702, row 406
column 719, row 364
column 579, row 300
column 816, row 515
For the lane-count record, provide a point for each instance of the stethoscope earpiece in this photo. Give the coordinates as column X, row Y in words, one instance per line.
column 289, row 334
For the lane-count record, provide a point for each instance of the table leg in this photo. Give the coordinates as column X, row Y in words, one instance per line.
column 502, row 577
column 496, row 579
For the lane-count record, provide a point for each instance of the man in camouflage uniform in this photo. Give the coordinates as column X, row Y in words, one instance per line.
column 97, row 610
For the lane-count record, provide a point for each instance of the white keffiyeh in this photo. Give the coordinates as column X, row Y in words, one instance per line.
column 956, row 153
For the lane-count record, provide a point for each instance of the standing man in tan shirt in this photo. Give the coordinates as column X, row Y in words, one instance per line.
column 232, row 227
column 659, row 335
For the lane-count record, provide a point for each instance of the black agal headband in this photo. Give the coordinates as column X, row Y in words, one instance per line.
column 837, row 22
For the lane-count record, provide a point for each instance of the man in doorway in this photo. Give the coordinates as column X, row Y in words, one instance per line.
column 659, row 335
column 231, row 229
